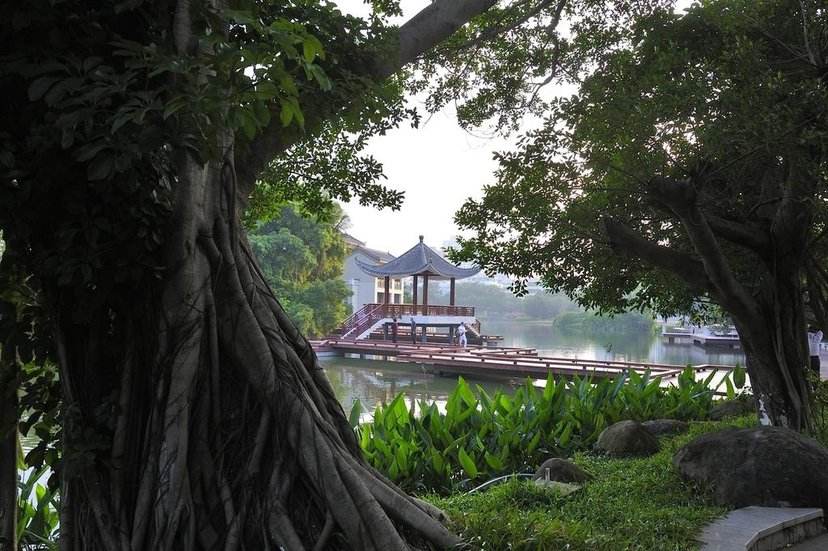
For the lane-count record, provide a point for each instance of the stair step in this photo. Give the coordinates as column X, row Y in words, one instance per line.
column 762, row 529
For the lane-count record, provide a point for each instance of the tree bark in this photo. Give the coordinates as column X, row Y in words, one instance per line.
column 777, row 357
column 8, row 454
column 228, row 435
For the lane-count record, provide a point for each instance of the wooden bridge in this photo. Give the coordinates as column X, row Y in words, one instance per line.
column 442, row 359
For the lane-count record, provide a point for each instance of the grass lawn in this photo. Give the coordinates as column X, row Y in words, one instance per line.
column 632, row 504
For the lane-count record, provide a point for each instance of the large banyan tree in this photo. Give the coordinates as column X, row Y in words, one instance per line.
column 132, row 133
column 688, row 170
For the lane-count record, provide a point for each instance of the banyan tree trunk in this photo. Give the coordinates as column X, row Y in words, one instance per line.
column 224, row 432
column 8, row 454
column 777, row 355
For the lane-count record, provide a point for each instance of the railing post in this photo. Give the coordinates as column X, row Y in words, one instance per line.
column 416, row 281
column 387, row 290
column 425, row 295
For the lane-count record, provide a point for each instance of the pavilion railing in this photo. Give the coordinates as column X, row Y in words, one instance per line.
column 391, row 310
column 365, row 317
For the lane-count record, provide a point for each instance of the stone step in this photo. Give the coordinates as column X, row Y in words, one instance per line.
column 762, row 529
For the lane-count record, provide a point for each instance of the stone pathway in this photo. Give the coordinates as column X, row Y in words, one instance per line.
column 764, row 527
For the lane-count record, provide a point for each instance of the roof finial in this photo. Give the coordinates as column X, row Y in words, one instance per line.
column 421, row 239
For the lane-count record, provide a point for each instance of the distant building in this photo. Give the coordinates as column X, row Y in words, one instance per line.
column 364, row 288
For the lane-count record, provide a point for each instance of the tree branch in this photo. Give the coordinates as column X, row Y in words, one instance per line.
column 626, row 241
column 750, row 237
column 429, row 27
column 680, row 197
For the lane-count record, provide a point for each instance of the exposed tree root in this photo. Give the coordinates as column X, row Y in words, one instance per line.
column 241, row 442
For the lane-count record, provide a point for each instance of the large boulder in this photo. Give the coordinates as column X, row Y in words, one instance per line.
column 626, row 438
column 561, row 470
column 768, row 466
column 665, row 427
column 730, row 408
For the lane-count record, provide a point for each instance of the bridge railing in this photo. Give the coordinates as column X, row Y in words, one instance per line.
column 391, row 310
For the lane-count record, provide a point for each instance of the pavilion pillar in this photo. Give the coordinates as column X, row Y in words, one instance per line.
column 416, row 283
column 451, row 293
column 425, row 295
column 385, row 296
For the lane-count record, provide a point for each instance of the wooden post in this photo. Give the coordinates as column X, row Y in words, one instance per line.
column 451, row 293
column 387, row 289
column 416, row 282
column 425, row 295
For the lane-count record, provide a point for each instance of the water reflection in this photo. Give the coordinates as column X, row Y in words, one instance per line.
column 377, row 381
column 640, row 347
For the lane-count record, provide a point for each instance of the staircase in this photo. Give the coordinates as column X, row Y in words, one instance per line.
column 359, row 322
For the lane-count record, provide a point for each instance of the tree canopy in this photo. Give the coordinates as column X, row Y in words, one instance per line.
column 735, row 110
column 683, row 170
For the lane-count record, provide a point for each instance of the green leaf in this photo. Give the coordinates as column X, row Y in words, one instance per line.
column 739, row 376
column 494, row 462
column 467, row 463
column 39, row 87
column 100, row 167
column 731, row 392
column 356, row 411
column 311, row 47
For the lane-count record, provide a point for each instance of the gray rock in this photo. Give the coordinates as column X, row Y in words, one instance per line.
column 665, row 427
column 730, row 408
column 561, row 470
column 562, row 488
column 768, row 466
column 626, row 438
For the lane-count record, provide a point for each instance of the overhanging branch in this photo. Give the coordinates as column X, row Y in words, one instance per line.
column 755, row 239
column 680, row 197
column 628, row 242
column 436, row 22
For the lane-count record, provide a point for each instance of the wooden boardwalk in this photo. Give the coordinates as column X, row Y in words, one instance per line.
column 443, row 359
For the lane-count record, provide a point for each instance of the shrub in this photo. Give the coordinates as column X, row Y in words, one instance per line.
column 481, row 436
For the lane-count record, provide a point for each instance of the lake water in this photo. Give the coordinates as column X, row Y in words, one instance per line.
column 376, row 381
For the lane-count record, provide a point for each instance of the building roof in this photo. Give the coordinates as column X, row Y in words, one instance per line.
column 418, row 260
column 358, row 247
column 351, row 241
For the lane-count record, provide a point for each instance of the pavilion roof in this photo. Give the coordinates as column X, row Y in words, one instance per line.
column 418, row 260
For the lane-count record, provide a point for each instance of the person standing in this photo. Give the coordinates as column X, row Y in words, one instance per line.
column 394, row 329
column 413, row 331
column 461, row 334
column 814, row 341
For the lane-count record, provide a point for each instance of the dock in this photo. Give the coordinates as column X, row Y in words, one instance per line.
column 497, row 362
column 704, row 339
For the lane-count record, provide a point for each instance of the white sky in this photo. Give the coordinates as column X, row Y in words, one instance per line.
column 438, row 166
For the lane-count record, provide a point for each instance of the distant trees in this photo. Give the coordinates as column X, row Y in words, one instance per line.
column 493, row 302
column 302, row 260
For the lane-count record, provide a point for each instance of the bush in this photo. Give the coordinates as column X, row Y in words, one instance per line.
column 481, row 436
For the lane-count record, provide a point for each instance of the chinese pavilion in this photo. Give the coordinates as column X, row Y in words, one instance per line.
column 421, row 263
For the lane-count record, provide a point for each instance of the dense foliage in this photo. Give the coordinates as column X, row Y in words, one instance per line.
column 302, row 259
column 660, row 101
column 632, row 504
column 479, row 436
column 682, row 172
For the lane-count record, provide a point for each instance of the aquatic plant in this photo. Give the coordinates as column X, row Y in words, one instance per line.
column 480, row 436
